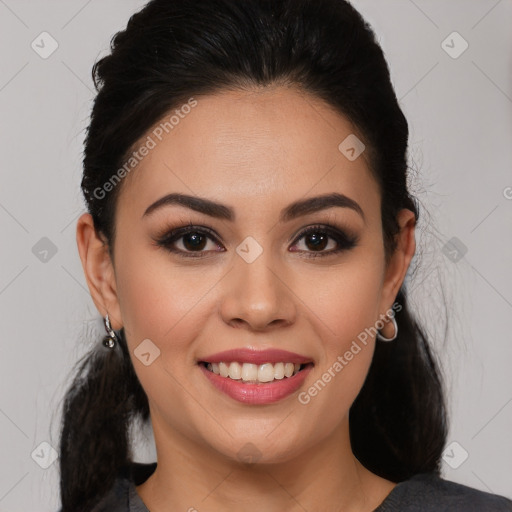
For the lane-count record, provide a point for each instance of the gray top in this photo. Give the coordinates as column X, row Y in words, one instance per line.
column 424, row 492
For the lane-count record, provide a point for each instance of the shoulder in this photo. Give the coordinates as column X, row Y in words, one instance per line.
column 116, row 500
column 429, row 492
column 122, row 496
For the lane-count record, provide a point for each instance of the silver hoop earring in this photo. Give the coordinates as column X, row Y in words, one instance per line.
column 382, row 338
column 110, row 340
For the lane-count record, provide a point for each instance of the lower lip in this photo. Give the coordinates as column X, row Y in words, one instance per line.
column 264, row 393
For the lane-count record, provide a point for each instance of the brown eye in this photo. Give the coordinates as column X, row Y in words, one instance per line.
column 316, row 241
column 189, row 241
column 318, row 238
column 194, row 241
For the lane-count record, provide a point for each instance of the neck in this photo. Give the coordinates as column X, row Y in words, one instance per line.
column 325, row 477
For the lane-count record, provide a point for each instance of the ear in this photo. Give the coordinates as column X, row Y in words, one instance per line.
column 98, row 269
column 398, row 265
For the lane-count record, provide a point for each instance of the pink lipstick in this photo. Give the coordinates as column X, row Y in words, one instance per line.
column 256, row 376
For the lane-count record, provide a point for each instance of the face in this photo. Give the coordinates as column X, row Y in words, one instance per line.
column 242, row 276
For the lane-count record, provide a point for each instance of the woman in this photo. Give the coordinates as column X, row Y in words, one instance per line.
column 249, row 230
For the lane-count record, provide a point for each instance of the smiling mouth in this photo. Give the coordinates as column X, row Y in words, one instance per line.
column 253, row 373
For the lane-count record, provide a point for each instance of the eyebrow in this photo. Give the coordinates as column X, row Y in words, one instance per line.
column 290, row 212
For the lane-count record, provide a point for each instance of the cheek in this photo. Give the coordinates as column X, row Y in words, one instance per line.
column 159, row 299
column 171, row 305
column 344, row 307
column 345, row 300
column 168, row 306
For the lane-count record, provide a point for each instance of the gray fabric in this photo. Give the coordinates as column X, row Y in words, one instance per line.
column 424, row 492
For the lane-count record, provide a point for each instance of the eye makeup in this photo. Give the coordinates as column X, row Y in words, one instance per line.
column 194, row 236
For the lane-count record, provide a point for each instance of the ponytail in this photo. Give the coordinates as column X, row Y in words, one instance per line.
column 104, row 397
column 398, row 422
column 167, row 54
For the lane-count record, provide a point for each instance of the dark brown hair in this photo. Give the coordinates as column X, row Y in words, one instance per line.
column 175, row 49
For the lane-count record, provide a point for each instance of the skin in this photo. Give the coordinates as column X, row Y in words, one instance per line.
column 257, row 151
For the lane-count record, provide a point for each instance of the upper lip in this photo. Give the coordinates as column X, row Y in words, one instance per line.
column 247, row 355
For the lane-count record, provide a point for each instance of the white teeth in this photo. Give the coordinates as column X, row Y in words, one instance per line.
column 235, row 371
column 249, row 372
column 223, row 369
column 288, row 369
column 279, row 371
column 266, row 372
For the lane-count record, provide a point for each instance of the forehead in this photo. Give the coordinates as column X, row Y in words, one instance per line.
column 241, row 145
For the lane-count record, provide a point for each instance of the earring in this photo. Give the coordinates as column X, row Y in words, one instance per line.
column 382, row 338
column 110, row 340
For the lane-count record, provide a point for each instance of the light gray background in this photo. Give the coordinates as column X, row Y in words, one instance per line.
column 460, row 145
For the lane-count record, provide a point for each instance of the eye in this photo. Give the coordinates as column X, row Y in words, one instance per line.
column 192, row 241
column 316, row 239
column 188, row 241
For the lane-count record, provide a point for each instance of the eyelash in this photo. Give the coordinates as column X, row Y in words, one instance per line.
column 345, row 242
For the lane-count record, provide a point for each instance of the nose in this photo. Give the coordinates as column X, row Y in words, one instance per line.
column 257, row 296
